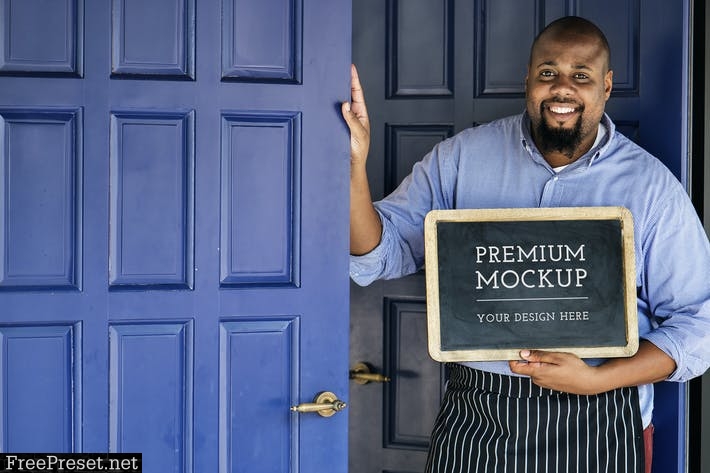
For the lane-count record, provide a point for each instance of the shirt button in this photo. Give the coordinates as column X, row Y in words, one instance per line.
column 555, row 178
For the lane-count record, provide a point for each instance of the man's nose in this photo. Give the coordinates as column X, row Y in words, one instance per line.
column 563, row 85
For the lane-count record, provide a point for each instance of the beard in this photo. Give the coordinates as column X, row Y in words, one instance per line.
column 559, row 139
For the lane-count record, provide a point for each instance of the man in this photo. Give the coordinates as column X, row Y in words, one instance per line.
column 549, row 411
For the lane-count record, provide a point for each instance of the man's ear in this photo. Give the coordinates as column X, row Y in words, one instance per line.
column 608, row 83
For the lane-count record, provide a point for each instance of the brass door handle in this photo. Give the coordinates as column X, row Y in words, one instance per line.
column 362, row 374
column 324, row 404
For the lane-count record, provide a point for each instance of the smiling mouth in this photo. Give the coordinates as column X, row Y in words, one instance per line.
column 561, row 113
column 561, row 109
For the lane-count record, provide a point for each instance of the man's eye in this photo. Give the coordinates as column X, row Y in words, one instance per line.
column 581, row 76
column 547, row 74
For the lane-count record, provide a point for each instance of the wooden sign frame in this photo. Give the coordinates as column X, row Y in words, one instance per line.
column 465, row 327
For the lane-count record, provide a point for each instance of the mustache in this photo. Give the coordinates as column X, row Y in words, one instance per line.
column 561, row 100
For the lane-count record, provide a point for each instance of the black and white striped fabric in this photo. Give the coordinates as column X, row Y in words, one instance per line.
column 506, row 424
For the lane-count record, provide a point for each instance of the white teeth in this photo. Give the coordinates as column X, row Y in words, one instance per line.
column 562, row 109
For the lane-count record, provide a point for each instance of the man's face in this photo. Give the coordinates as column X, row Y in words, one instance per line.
column 567, row 86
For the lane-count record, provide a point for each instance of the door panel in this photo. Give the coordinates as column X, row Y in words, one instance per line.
column 169, row 268
column 391, row 422
column 42, row 169
column 430, row 69
column 151, row 385
column 260, row 350
column 47, row 352
column 405, row 346
column 151, row 223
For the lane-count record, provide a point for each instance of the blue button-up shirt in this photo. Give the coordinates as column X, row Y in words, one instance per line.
column 497, row 165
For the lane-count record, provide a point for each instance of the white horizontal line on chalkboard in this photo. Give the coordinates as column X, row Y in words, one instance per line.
column 533, row 299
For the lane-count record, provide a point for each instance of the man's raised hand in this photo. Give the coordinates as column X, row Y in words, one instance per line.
column 355, row 114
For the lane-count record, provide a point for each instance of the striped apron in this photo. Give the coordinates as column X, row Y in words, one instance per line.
column 506, row 424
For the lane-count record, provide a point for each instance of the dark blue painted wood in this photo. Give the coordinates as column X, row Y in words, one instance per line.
column 151, row 392
column 405, row 144
column 152, row 230
column 42, row 165
column 251, row 349
column 173, row 247
column 262, row 41
column 261, row 163
column 411, row 41
column 43, row 390
column 155, row 38
column 58, row 50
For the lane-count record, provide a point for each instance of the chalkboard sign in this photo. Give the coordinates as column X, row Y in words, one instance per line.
column 502, row 280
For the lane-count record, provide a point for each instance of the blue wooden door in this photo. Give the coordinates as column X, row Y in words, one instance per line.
column 173, row 230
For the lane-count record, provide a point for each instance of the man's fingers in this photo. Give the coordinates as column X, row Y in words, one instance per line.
column 353, row 121
column 355, row 114
column 521, row 367
column 357, row 97
column 539, row 356
column 532, row 361
column 355, row 87
column 345, row 109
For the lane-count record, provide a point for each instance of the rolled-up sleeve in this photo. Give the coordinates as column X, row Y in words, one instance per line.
column 401, row 248
column 388, row 260
column 677, row 288
column 367, row 268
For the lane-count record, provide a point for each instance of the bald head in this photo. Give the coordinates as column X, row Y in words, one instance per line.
column 574, row 28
